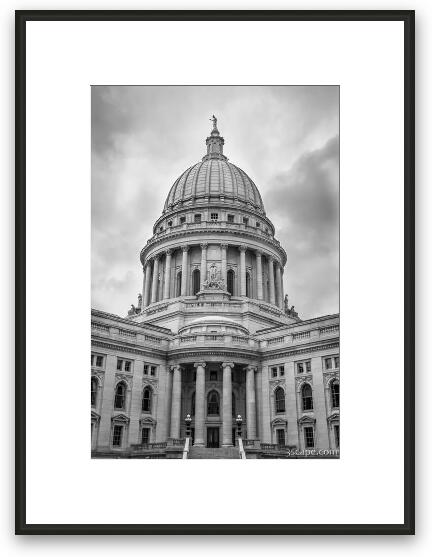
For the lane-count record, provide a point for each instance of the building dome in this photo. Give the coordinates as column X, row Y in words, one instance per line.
column 214, row 178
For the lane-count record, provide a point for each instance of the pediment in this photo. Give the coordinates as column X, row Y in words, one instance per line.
column 95, row 417
column 333, row 418
column 120, row 418
column 279, row 421
column 306, row 420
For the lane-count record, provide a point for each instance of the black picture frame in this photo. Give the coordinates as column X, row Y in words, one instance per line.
column 21, row 526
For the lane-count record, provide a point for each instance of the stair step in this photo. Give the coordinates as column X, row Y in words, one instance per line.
column 204, row 452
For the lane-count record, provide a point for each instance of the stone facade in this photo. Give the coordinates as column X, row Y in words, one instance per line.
column 213, row 337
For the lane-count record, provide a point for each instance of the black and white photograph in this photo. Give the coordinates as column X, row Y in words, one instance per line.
column 215, row 272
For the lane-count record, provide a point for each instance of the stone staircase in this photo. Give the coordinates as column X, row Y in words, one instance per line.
column 204, row 452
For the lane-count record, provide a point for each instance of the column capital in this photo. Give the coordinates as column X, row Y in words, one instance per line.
column 228, row 364
column 271, row 259
column 176, row 367
column 185, row 248
column 242, row 247
column 204, row 245
column 258, row 253
column 168, row 251
column 251, row 368
column 156, row 257
column 224, row 246
column 199, row 364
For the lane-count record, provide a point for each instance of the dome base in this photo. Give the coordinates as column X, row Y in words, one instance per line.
column 213, row 294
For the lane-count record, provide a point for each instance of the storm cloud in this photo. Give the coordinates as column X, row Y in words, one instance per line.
column 284, row 138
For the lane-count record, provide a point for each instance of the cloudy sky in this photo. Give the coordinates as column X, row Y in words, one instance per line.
column 285, row 138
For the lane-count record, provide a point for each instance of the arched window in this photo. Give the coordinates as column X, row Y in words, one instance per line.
column 248, row 285
column 233, row 404
column 196, row 275
column 230, row 282
column 334, row 388
column 120, row 396
column 307, row 400
column 147, row 400
column 178, row 284
column 94, row 386
column 213, row 403
column 193, row 405
column 280, row 399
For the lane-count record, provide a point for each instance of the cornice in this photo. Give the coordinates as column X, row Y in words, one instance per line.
column 149, row 352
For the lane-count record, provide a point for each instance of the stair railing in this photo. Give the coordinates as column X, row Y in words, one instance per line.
column 241, row 449
column 186, row 448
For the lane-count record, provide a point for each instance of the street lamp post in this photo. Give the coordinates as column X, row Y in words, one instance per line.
column 188, row 421
column 239, row 421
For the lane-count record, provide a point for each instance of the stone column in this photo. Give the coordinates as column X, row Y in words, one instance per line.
column 185, row 270
column 271, row 280
column 155, row 279
column 279, row 285
column 250, row 402
column 227, row 405
column 224, row 248
column 203, row 272
column 199, row 403
column 167, row 274
column 259, row 275
column 147, row 277
column 242, row 270
column 176, row 402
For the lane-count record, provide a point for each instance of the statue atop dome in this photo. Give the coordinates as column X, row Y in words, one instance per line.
column 214, row 120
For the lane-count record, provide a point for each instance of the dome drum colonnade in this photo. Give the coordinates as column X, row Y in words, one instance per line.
column 159, row 283
column 200, row 402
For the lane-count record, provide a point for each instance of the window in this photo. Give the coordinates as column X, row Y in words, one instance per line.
column 197, row 218
column 334, row 388
column 153, row 370
column 258, row 224
column 160, row 228
column 92, row 359
column 99, row 361
column 214, row 216
column 213, row 403
column 281, row 371
column 274, row 371
column 94, row 387
column 230, row 218
column 307, row 400
column 146, row 369
column 230, row 282
column 280, row 437
column 336, row 362
column 328, row 363
column 120, row 396
column 117, row 435
column 170, row 223
column 303, row 366
column 147, row 400
column 213, row 376
column 280, row 399
column 308, row 366
column 245, row 221
column 196, row 275
column 119, row 364
column 248, row 285
column 309, row 437
column 300, row 368
column 182, row 220
column 145, row 435
column 178, row 283
column 336, row 434
column 128, row 365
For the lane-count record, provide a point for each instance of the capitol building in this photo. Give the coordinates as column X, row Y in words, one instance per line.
column 212, row 361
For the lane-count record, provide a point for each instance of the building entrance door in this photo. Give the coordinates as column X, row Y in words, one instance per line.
column 212, row 437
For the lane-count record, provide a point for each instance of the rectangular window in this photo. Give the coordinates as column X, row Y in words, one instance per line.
column 213, row 376
column 146, row 368
column 258, row 224
column 336, row 434
column 182, row 220
column 336, row 362
column 99, row 361
column 128, row 365
column 119, row 364
column 153, row 370
column 274, row 371
column 245, row 220
column 308, row 366
column 197, row 218
column 92, row 359
column 300, row 368
column 328, row 363
column 309, row 437
column 214, row 216
column 280, row 437
column 230, row 218
column 281, row 371
column 145, row 435
column 117, row 435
